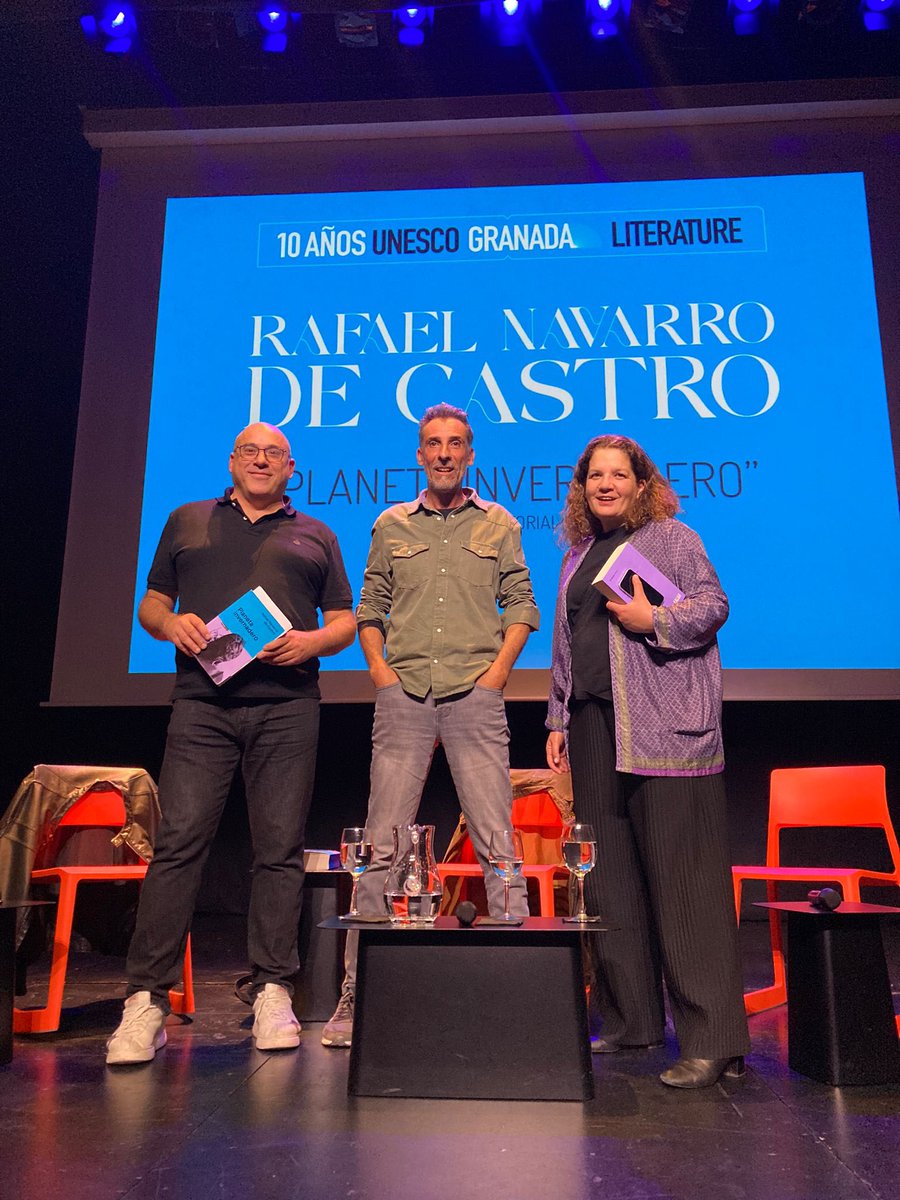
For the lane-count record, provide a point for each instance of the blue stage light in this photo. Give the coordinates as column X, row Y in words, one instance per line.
column 879, row 6
column 602, row 30
column 272, row 20
column 746, row 23
column 747, row 6
column 413, row 23
column 509, row 18
column 117, row 21
column 412, row 18
column 602, row 10
column 875, row 22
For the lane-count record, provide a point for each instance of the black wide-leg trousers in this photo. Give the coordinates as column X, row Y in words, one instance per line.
column 663, row 882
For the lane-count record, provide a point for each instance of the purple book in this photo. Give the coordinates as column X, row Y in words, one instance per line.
column 614, row 578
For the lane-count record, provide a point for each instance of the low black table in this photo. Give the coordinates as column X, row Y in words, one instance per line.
column 8, row 909
column 318, row 982
column 486, row 1013
column 841, row 1024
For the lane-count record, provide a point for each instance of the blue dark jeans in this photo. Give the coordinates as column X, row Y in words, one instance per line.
column 275, row 747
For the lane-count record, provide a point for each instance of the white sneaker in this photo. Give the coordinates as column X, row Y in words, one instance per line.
column 339, row 1030
column 140, row 1034
column 274, row 1026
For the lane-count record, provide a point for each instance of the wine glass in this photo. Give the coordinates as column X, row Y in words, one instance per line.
column 579, row 848
column 506, row 855
column 356, row 855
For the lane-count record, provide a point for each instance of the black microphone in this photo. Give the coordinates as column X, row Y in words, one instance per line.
column 826, row 898
column 466, row 912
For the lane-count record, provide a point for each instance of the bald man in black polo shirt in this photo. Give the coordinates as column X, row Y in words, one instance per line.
column 264, row 719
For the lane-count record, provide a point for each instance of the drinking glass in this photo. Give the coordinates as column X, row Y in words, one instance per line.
column 579, row 848
column 506, row 855
column 356, row 855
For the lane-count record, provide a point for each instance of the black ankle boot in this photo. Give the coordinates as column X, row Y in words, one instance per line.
column 702, row 1072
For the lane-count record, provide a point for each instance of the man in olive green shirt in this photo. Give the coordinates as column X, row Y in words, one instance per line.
column 446, row 608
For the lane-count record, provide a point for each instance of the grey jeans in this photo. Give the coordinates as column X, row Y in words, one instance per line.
column 472, row 728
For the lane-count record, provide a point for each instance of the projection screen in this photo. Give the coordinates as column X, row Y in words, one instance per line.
column 720, row 284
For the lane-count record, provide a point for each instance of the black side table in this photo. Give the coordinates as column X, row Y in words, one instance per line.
column 318, row 982
column 8, row 910
column 841, row 1024
column 487, row 1012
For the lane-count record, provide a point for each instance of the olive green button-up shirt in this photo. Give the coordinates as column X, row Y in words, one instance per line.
column 444, row 589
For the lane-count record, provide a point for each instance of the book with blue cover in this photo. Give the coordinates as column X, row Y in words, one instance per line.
column 322, row 860
column 614, row 579
column 239, row 632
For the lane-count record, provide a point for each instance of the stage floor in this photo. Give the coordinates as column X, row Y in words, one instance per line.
column 213, row 1117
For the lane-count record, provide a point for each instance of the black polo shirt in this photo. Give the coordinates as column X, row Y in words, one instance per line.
column 210, row 554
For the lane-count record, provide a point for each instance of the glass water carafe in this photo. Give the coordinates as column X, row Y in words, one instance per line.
column 412, row 890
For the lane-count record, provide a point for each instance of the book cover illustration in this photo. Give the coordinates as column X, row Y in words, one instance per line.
column 614, row 579
column 239, row 632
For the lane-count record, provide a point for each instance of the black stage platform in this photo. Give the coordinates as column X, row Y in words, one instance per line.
column 212, row 1117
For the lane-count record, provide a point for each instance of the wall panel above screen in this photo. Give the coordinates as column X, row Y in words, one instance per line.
column 708, row 290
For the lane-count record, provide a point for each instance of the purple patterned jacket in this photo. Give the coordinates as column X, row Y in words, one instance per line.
column 667, row 686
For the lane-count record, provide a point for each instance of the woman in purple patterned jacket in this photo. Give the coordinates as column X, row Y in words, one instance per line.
column 635, row 713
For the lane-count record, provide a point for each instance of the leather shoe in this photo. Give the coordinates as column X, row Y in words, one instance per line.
column 702, row 1072
column 602, row 1045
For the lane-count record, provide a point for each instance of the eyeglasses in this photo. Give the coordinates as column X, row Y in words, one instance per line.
column 274, row 454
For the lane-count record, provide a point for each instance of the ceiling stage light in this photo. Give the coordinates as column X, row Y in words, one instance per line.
column 412, row 24
column 602, row 10
column 117, row 21
column 272, row 20
column 112, row 26
column 509, row 18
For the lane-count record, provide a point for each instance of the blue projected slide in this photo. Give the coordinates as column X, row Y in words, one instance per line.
column 729, row 325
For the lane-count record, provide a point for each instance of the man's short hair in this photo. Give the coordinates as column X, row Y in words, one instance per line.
column 445, row 412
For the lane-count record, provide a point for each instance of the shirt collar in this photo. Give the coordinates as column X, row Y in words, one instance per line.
column 471, row 497
column 287, row 509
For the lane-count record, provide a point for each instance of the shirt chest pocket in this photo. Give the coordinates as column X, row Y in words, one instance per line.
column 410, row 564
column 478, row 563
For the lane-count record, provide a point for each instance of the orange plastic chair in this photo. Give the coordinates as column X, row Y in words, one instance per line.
column 102, row 806
column 538, row 819
column 815, row 797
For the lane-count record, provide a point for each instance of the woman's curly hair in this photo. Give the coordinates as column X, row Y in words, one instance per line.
column 656, row 502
